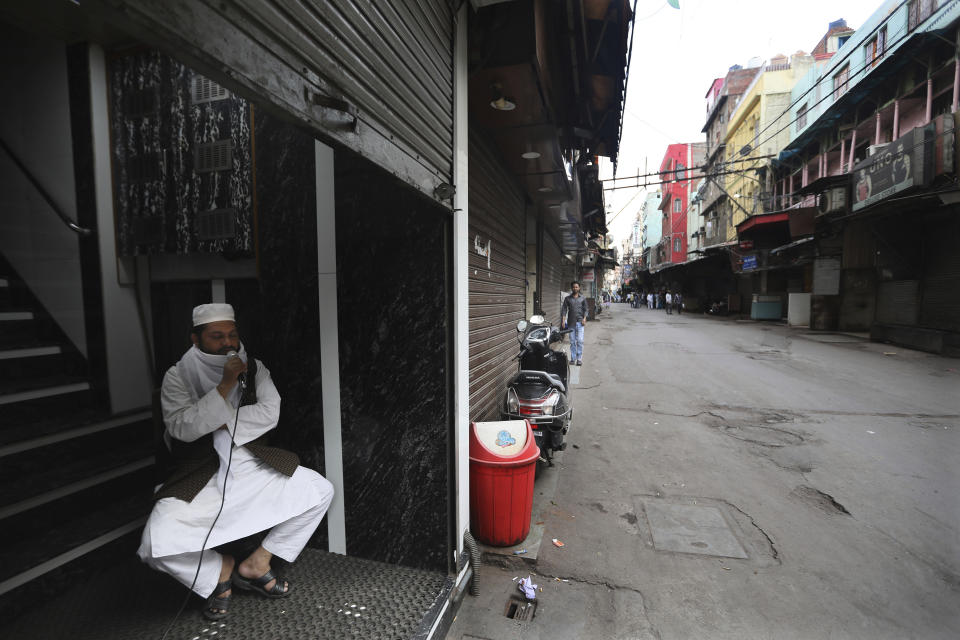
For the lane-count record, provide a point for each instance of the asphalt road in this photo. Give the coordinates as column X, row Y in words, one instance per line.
column 827, row 463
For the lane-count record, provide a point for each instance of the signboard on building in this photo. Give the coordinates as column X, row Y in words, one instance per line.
column 826, row 276
column 586, row 275
column 749, row 262
column 902, row 164
column 627, row 270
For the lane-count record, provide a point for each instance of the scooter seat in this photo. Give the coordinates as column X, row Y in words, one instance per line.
column 552, row 379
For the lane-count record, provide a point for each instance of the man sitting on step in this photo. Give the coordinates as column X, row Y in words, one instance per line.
column 227, row 484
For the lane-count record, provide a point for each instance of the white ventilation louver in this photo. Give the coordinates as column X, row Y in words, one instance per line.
column 206, row 90
column 214, row 156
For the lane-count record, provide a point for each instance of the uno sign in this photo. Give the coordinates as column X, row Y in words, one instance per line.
column 910, row 161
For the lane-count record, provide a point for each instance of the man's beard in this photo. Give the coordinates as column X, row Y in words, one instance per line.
column 222, row 351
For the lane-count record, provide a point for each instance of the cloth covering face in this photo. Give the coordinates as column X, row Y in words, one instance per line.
column 257, row 496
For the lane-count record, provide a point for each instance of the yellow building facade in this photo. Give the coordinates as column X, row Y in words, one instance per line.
column 758, row 130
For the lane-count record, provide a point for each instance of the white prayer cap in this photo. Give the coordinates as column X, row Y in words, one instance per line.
column 213, row 312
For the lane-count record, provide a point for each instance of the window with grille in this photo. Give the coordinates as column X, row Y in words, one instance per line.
column 801, row 117
column 677, row 206
column 841, row 82
column 918, row 11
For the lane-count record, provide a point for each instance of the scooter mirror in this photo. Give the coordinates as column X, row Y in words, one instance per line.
column 521, row 326
column 536, row 319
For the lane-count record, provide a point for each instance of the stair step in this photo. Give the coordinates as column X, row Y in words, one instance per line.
column 17, row 332
column 46, row 360
column 67, row 465
column 44, row 392
column 45, row 433
column 13, row 316
column 72, row 539
column 29, row 352
column 73, row 488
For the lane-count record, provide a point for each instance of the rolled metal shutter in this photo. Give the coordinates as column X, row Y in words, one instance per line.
column 497, row 278
column 940, row 308
column 375, row 77
column 552, row 279
column 897, row 302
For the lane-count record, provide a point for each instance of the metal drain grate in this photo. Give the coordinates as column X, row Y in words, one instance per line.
column 520, row 609
column 334, row 596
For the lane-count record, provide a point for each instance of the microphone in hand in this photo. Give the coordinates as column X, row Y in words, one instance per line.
column 242, row 376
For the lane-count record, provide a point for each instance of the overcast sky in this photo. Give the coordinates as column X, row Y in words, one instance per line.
column 678, row 53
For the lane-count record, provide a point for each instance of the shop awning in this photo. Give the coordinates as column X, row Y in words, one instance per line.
column 717, row 247
column 790, row 245
column 762, row 219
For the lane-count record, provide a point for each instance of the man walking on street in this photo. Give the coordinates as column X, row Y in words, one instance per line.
column 668, row 303
column 678, row 300
column 574, row 314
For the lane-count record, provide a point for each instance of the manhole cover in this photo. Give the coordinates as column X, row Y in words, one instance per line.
column 692, row 529
column 520, row 609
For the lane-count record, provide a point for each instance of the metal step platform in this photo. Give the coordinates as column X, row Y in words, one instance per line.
column 334, row 596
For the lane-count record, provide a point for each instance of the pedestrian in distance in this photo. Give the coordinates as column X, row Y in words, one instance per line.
column 678, row 301
column 669, row 301
column 650, row 301
column 574, row 314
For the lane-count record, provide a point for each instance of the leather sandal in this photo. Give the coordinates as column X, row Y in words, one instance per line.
column 217, row 605
column 259, row 585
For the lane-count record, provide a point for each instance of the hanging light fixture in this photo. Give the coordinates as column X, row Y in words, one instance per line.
column 501, row 102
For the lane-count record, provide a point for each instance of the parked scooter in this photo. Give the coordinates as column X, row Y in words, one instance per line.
column 538, row 392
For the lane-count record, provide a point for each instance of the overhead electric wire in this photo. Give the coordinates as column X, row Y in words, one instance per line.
column 833, row 64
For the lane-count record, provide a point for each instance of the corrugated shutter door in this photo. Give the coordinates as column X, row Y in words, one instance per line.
column 496, row 279
column 897, row 302
column 394, row 61
column 552, row 279
column 376, row 77
column 940, row 308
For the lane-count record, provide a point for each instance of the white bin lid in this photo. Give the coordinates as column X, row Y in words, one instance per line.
column 505, row 438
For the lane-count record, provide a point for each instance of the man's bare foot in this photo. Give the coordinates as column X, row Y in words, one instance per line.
column 258, row 564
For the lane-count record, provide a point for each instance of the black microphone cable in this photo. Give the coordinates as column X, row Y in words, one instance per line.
column 203, row 547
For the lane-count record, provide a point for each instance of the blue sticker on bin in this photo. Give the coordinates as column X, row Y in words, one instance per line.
column 504, row 439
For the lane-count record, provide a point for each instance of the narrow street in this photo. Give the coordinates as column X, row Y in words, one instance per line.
column 730, row 479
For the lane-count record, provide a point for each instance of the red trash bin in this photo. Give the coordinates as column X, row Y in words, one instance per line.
column 503, row 463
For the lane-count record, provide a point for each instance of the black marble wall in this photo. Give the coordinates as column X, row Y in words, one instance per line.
column 395, row 311
column 155, row 128
column 396, row 396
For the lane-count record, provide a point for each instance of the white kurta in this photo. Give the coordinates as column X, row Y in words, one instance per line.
column 257, row 496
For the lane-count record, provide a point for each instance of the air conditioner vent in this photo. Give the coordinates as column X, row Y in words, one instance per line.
column 217, row 224
column 145, row 167
column 206, row 90
column 832, row 201
column 214, row 156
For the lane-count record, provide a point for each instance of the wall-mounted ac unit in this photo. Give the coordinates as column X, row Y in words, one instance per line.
column 832, row 201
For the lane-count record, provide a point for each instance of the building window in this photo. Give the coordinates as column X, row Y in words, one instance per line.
column 841, row 82
column 677, row 206
column 801, row 117
column 676, row 244
column 918, row 11
column 875, row 49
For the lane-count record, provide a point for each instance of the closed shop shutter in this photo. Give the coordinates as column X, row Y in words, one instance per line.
column 552, row 281
column 897, row 302
column 496, row 276
column 940, row 308
column 375, row 77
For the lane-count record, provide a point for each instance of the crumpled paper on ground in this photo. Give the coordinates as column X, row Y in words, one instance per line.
column 529, row 589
